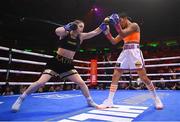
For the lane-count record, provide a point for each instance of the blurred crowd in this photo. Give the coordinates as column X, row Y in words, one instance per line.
column 99, row 56
column 14, row 89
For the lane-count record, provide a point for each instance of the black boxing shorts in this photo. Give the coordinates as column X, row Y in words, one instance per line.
column 60, row 66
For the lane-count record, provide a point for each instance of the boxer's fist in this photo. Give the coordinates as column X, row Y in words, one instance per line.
column 103, row 26
column 106, row 20
column 70, row 26
column 114, row 19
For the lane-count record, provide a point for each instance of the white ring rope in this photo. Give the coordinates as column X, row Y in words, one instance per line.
column 99, row 75
column 172, row 80
column 161, row 59
column 21, row 72
column 25, row 52
column 99, row 81
column 79, row 67
column 47, row 83
column 23, row 61
column 79, row 61
column 4, row 48
column 153, row 59
column 33, row 62
column 162, row 65
column 155, row 65
column 37, row 54
column 28, row 72
column 157, row 74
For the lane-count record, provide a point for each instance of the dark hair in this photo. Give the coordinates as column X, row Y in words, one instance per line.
column 124, row 15
column 78, row 21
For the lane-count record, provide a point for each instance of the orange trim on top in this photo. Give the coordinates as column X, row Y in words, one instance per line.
column 132, row 38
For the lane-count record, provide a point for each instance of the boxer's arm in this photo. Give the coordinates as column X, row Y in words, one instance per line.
column 90, row 34
column 93, row 33
column 125, row 32
column 61, row 32
column 113, row 40
column 102, row 27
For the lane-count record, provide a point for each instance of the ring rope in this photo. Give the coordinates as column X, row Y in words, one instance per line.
column 43, row 63
column 79, row 61
column 155, row 65
column 49, row 56
column 21, row 72
column 99, row 81
column 28, row 72
column 157, row 74
column 37, row 54
column 153, row 59
column 23, row 61
column 173, row 80
column 99, row 75
column 47, row 83
column 87, row 62
column 25, row 52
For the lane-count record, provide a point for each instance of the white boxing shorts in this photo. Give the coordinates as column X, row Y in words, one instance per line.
column 131, row 58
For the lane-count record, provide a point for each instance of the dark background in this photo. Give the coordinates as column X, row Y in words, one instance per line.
column 31, row 23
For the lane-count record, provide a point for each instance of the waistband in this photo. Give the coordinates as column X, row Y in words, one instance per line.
column 132, row 42
column 63, row 59
column 130, row 46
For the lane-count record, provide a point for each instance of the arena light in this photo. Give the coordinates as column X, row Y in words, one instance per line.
column 106, row 49
column 93, row 49
column 42, row 51
column 81, row 50
column 171, row 43
column 28, row 50
column 141, row 45
column 153, row 44
column 97, row 11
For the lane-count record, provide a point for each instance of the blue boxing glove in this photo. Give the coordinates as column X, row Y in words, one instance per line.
column 114, row 19
column 70, row 26
column 103, row 26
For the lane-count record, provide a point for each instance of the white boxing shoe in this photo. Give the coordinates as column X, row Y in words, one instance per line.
column 108, row 103
column 158, row 104
column 16, row 106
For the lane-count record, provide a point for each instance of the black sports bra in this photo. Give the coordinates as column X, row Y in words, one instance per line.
column 69, row 43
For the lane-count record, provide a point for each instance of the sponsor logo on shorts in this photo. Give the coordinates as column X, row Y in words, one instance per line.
column 138, row 64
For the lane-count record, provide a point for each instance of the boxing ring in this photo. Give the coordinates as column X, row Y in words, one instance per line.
column 70, row 105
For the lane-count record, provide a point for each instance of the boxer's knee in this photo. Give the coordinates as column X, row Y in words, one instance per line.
column 116, row 74
column 81, row 83
column 148, row 83
column 39, row 83
column 145, row 79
